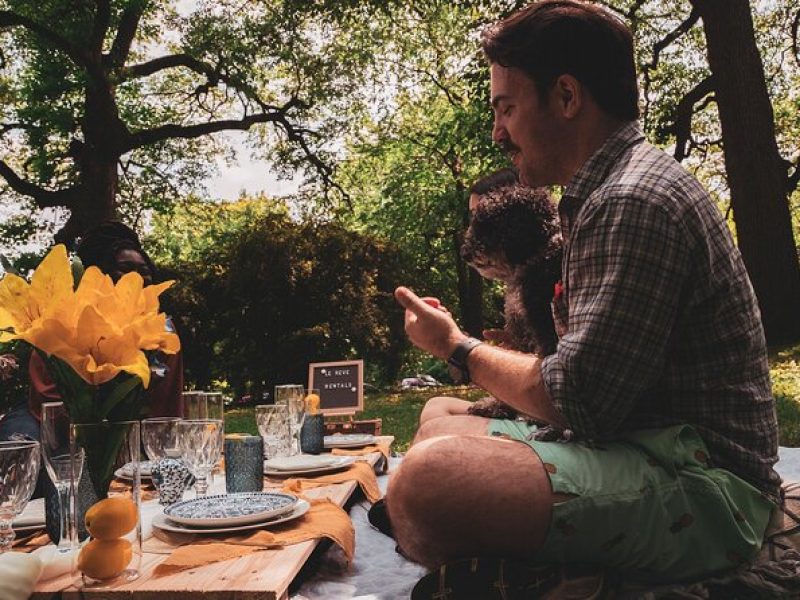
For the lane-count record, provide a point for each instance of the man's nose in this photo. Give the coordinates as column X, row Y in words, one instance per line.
column 499, row 132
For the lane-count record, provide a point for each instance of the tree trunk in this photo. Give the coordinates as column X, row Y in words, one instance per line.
column 97, row 156
column 757, row 175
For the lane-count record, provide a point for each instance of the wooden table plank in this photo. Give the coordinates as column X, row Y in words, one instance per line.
column 263, row 575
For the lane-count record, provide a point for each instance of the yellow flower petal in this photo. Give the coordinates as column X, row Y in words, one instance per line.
column 52, row 281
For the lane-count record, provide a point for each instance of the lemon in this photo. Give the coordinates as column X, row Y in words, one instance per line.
column 111, row 518
column 104, row 559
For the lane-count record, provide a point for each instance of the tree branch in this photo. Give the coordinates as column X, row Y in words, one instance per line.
column 128, row 24
column 795, row 27
column 168, row 62
column 11, row 19
column 673, row 35
column 658, row 48
column 685, row 109
column 43, row 198
column 165, row 132
column 102, row 19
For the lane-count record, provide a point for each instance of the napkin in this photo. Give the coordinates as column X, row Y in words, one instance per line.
column 18, row 575
column 379, row 446
column 361, row 472
column 323, row 519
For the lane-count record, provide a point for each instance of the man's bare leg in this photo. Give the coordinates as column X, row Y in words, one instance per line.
column 443, row 406
column 460, row 493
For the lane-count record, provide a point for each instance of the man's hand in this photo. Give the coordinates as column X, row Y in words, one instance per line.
column 429, row 325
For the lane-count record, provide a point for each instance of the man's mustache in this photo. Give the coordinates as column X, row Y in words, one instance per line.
column 507, row 146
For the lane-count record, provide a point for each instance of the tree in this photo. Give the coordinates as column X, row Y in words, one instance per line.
column 720, row 108
column 757, row 174
column 259, row 296
column 100, row 99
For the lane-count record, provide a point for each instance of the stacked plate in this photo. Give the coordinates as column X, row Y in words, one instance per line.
column 125, row 472
column 224, row 513
column 349, row 440
column 306, row 464
column 31, row 519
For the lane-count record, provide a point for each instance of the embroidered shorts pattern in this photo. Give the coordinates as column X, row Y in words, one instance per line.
column 649, row 504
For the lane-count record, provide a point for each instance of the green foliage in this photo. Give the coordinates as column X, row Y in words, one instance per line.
column 14, row 380
column 785, row 374
column 259, row 296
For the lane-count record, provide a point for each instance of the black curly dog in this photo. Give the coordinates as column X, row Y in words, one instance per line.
column 514, row 236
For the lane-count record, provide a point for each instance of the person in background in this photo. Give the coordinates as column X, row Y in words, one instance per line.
column 115, row 249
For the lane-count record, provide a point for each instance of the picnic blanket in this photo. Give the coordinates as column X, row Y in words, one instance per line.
column 380, row 573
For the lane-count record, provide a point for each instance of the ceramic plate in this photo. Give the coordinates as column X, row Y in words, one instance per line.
column 349, row 440
column 31, row 518
column 125, row 472
column 162, row 522
column 334, row 463
column 301, row 461
column 227, row 510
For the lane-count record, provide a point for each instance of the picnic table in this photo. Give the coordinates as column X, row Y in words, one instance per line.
column 264, row 575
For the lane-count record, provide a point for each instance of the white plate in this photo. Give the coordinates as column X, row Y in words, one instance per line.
column 124, row 472
column 24, row 530
column 162, row 522
column 339, row 463
column 300, row 461
column 227, row 510
column 31, row 518
column 349, row 440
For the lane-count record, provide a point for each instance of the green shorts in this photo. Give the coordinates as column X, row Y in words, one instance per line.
column 648, row 504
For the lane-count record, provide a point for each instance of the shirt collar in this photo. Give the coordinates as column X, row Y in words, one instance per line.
column 595, row 170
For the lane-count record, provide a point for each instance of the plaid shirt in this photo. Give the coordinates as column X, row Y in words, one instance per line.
column 657, row 321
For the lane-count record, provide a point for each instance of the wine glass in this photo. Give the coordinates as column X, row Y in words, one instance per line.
column 160, row 437
column 58, row 462
column 293, row 396
column 19, row 469
column 200, row 441
column 273, row 425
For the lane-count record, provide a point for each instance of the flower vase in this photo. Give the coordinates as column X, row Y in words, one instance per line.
column 113, row 553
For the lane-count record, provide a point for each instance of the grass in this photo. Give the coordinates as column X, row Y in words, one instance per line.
column 400, row 410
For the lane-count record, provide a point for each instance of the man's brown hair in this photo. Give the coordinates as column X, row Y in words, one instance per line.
column 557, row 37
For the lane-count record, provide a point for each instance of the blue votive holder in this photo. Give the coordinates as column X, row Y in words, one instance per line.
column 312, row 435
column 244, row 463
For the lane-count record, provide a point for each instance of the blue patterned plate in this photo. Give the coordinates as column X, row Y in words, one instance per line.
column 225, row 510
column 162, row 522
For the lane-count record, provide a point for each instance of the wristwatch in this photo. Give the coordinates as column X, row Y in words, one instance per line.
column 457, row 363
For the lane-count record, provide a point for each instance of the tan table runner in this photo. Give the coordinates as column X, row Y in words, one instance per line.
column 381, row 446
column 361, row 472
column 323, row 519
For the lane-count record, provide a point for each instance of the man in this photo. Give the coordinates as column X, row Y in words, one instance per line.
column 658, row 458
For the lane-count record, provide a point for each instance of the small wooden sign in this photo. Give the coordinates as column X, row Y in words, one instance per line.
column 340, row 385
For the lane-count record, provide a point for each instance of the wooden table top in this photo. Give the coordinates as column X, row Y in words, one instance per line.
column 263, row 575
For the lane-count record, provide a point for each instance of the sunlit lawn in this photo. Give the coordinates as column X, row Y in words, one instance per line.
column 400, row 410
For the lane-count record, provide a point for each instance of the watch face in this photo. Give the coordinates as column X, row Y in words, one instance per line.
column 456, row 374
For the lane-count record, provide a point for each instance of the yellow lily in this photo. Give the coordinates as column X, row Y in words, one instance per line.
column 99, row 330
column 23, row 305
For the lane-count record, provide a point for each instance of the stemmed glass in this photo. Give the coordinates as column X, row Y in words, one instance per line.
column 200, row 443
column 58, row 462
column 160, row 437
column 19, row 469
column 293, row 396
column 273, row 425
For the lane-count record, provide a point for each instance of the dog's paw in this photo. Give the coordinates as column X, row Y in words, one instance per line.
column 492, row 408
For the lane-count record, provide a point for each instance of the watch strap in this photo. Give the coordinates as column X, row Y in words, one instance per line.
column 458, row 358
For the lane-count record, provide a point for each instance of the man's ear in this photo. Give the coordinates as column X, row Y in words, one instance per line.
column 568, row 94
